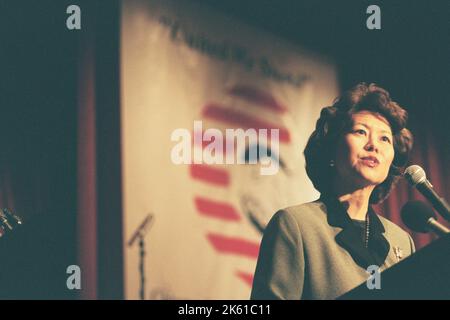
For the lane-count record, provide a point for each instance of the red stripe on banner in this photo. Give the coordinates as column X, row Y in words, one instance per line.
column 258, row 97
column 246, row 277
column 234, row 245
column 239, row 119
column 220, row 210
column 209, row 174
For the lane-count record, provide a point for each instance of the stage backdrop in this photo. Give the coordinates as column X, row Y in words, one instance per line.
column 182, row 63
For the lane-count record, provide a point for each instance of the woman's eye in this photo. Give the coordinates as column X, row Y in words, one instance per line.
column 386, row 139
column 360, row 131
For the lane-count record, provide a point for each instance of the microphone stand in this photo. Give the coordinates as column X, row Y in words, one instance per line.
column 139, row 234
column 438, row 202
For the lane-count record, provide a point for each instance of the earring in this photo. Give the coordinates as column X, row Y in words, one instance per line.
column 331, row 163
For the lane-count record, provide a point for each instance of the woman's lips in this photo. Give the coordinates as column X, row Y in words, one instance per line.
column 370, row 162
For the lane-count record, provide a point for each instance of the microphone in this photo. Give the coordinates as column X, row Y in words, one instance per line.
column 8, row 221
column 4, row 222
column 420, row 217
column 417, row 178
column 12, row 217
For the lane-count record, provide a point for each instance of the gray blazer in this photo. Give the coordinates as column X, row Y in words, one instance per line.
column 300, row 258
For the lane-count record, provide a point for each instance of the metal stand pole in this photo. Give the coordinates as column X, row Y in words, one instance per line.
column 140, row 234
column 141, row 266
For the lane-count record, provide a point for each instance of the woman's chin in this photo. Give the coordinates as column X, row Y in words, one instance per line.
column 369, row 180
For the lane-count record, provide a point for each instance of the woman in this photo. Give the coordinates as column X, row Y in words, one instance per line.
column 322, row 249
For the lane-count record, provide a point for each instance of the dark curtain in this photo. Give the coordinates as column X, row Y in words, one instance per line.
column 60, row 150
column 38, row 155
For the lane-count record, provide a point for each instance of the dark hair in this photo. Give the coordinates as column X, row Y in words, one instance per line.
column 336, row 119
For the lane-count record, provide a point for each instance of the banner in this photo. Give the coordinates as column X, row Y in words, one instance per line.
column 215, row 117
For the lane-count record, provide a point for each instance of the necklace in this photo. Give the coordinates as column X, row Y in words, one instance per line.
column 366, row 242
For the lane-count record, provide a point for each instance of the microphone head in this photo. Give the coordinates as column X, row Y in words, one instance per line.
column 415, row 215
column 415, row 175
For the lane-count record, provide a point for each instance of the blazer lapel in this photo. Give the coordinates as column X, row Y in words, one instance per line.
column 351, row 239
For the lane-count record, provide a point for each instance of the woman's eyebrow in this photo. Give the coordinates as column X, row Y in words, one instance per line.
column 368, row 127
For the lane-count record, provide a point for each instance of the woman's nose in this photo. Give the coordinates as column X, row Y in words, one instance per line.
column 371, row 145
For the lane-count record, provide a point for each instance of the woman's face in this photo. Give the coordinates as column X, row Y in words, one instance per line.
column 365, row 152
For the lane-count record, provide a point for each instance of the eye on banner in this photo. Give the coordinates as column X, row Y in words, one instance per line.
column 193, row 83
